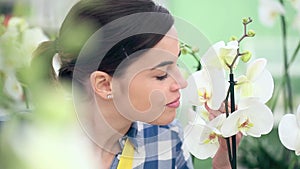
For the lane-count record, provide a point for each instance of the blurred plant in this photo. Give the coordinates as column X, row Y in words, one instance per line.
column 47, row 135
column 202, row 137
column 17, row 42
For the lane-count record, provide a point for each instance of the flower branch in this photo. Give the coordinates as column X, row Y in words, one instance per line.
column 187, row 49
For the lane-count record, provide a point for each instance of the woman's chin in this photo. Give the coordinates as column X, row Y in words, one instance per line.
column 165, row 119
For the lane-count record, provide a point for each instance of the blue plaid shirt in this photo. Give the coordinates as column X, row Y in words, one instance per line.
column 156, row 147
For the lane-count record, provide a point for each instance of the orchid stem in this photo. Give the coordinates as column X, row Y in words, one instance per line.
column 228, row 139
column 288, row 88
column 232, row 106
column 245, row 35
column 282, row 82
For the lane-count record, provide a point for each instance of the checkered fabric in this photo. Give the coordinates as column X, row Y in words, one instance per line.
column 156, row 147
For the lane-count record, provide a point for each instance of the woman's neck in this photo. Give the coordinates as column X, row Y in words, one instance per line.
column 109, row 126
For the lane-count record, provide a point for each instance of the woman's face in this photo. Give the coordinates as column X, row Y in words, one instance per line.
column 149, row 89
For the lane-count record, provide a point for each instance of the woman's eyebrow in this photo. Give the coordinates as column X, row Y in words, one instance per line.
column 162, row 64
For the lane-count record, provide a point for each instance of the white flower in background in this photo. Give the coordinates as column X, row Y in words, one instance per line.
column 206, row 86
column 269, row 10
column 220, row 55
column 203, row 140
column 12, row 87
column 258, row 81
column 252, row 118
column 289, row 131
column 18, row 43
column 296, row 4
column 296, row 23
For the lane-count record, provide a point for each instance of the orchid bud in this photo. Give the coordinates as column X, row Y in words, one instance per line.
column 246, row 56
column 251, row 33
column 245, row 20
column 233, row 38
column 184, row 51
column 195, row 50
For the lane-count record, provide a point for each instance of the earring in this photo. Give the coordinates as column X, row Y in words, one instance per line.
column 109, row 96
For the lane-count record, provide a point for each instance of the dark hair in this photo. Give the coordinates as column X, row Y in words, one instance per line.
column 87, row 17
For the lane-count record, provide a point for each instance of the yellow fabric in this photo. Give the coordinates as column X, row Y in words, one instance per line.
column 126, row 159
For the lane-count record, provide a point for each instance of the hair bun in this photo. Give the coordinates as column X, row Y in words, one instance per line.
column 66, row 71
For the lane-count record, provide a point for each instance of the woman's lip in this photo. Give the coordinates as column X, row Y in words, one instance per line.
column 174, row 104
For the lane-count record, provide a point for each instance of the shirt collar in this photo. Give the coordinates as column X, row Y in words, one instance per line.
column 132, row 135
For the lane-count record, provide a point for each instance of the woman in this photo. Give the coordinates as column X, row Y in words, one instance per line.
column 121, row 58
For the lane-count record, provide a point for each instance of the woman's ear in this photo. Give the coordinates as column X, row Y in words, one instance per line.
column 101, row 84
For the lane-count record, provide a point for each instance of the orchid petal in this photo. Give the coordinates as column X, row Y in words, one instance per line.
column 228, row 52
column 255, row 68
column 217, row 80
column 210, row 58
column 258, row 81
column 203, row 113
column 198, row 87
column 246, row 90
column 195, row 118
column 288, row 131
column 298, row 116
column 262, row 118
column 229, row 127
column 193, row 140
column 263, row 87
column 248, row 102
column 217, row 122
column 233, row 44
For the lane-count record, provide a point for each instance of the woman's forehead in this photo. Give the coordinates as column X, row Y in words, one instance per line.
column 151, row 59
column 169, row 42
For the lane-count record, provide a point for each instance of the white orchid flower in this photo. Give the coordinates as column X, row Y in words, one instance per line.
column 220, row 55
column 258, row 81
column 252, row 118
column 289, row 131
column 203, row 140
column 12, row 87
column 206, row 86
column 269, row 10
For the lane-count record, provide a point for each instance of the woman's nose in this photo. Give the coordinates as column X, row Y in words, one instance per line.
column 179, row 82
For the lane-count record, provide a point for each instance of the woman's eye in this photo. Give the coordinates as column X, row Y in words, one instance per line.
column 163, row 77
